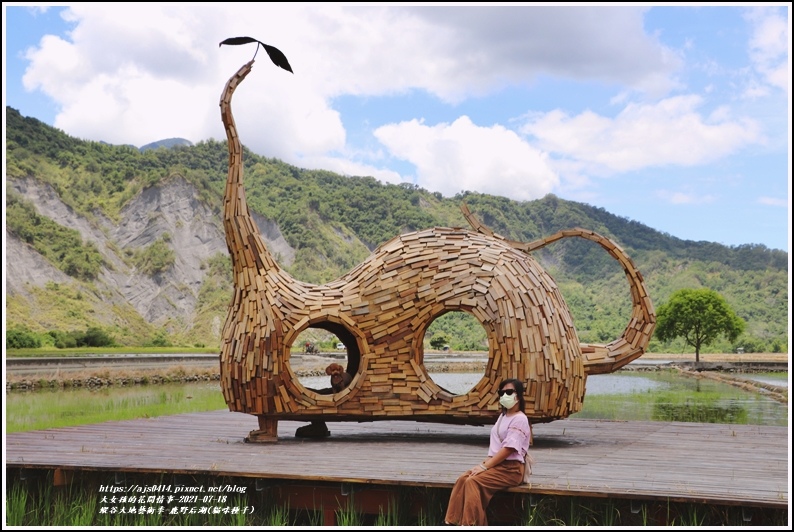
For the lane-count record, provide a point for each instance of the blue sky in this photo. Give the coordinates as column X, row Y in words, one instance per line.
column 675, row 116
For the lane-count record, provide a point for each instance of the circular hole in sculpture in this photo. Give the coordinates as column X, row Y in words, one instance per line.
column 455, row 351
column 324, row 358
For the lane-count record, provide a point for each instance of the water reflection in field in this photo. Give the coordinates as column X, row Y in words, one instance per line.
column 675, row 397
column 767, row 379
column 613, row 384
column 597, row 385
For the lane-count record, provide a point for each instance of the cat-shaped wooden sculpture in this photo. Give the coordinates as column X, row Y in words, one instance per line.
column 381, row 309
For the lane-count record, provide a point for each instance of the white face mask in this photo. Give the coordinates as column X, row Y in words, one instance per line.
column 508, row 401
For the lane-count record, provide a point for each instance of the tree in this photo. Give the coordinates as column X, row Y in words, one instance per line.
column 21, row 337
column 699, row 316
column 438, row 341
column 95, row 337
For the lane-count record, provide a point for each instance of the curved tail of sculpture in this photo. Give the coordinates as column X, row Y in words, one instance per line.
column 602, row 358
column 242, row 237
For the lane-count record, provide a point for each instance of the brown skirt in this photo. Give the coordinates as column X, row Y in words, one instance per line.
column 471, row 494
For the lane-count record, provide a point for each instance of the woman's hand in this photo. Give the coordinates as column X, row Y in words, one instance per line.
column 491, row 461
column 476, row 469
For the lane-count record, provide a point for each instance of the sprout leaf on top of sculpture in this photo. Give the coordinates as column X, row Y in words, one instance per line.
column 276, row 55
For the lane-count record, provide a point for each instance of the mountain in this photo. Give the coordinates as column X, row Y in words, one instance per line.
column 166, row 143
column 131, row 241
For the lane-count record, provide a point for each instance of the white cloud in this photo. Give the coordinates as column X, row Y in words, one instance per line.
column 351, row 168
column 38, row 10
column 769, row 46
column 684, row 198
column 134, row 73
column 671, row 131
column 773, row 202
column 515, row 44
column 55, row 65
column 451, row 158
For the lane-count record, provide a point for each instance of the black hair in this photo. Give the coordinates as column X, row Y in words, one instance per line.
column 519, row 386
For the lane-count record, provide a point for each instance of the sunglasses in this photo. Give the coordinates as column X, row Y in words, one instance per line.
column 508, row 392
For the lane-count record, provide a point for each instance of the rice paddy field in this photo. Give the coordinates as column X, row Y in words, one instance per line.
column 664, row 395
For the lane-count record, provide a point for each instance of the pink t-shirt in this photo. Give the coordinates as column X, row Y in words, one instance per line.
column 513, row 433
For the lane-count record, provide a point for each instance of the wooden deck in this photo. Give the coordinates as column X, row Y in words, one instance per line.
column 739, row 465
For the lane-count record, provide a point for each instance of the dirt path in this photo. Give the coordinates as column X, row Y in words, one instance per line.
column 719, row 357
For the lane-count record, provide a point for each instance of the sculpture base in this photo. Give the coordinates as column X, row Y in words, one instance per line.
column 267, row 433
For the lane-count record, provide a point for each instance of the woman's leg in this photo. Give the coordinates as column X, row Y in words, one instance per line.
column 455, row 507
column 471, row 494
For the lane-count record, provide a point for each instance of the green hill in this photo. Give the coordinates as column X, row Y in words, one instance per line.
column 72, row 204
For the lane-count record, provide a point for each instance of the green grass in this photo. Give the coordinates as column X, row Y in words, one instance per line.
column 390, row 516
column 35, row 502
column 38, row 504
column 17, row 498
column 347, row 515
column 43, row 410
column 581, row 512
column 278, row 516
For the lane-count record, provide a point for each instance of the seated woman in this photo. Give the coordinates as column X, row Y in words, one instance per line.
column 511, row 437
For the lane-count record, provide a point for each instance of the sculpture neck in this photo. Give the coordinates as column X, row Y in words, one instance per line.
column 246, row 247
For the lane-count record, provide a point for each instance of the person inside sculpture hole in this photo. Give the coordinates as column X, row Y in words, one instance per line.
column 511, row 437
column 340, row 379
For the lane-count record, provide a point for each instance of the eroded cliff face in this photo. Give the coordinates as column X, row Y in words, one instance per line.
column 168, row 298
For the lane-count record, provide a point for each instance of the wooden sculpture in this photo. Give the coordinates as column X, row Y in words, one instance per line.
column 381, row 310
